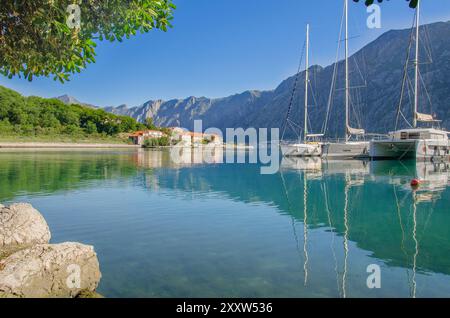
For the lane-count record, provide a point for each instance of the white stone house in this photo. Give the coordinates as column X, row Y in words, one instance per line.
column 139, row 137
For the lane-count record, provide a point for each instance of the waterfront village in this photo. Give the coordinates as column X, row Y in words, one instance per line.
column 174, row 136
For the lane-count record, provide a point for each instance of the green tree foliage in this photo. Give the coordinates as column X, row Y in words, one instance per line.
column 157, row 142
column 165, row 130
column 150, row 124
column 37, row 38
column 34, row 116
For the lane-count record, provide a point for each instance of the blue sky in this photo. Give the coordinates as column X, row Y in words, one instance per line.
column 222, row 47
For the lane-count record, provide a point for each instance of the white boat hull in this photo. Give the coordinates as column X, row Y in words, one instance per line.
column 346, row 150
column 302, row 163
column 429, row 149
column 301, row 150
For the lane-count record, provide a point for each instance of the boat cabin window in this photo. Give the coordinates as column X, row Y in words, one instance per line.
column 420, row 134
column 413, row 135
column 436, row 136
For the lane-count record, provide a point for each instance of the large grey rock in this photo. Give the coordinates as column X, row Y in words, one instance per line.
column 59, row 270
column 21, row 226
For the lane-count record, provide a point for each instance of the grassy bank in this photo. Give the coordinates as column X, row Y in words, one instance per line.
column 122, row 140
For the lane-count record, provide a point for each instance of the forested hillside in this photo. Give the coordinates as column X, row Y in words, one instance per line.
column 38, row 117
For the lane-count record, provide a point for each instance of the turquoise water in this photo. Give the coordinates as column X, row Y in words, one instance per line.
column 224, row 230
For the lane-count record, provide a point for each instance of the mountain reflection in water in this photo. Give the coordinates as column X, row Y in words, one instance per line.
column 311, row 230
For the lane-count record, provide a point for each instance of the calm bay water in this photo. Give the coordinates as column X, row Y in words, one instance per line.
column 224, row 230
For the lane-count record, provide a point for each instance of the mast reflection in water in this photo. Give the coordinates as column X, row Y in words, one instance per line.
column 193, row 229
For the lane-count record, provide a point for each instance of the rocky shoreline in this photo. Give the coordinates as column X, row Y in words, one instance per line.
column 30, row 267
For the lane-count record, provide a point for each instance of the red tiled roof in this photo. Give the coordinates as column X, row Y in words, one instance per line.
column 141, row 132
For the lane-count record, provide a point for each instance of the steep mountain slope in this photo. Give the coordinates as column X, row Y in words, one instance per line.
column 232, row 111
column 376, row 74
column 70, row 100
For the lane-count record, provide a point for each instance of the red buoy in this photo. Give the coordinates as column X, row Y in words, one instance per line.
column 415, row 182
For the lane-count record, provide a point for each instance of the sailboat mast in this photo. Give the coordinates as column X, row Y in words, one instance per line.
column 416, row 65
column 347, row 84
column 305, row 132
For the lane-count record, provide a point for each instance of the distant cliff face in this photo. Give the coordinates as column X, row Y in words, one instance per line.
column 376, row 73
column 69, row 100
column 232, row 111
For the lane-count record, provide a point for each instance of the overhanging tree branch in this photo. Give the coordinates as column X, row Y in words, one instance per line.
column 36, row 39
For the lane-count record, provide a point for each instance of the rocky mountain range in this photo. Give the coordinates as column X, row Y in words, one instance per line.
column 69, row 100
column 376, row 73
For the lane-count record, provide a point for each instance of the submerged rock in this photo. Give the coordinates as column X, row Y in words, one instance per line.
column 21, row 226
column 45, row 270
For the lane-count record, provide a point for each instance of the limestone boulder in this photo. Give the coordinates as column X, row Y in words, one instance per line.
column 21, row 226
column 44, row 270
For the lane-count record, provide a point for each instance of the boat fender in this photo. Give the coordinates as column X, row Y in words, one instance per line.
column 415, row 183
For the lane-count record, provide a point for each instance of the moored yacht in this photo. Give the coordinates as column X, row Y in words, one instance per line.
column 415, row 143
column 301, row 149
column 419, row 143
column 347, row 149
column 307, row 147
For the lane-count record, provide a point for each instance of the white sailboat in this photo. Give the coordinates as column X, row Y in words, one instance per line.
column 304, row 148
column 415, row 143
column 347, row 149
